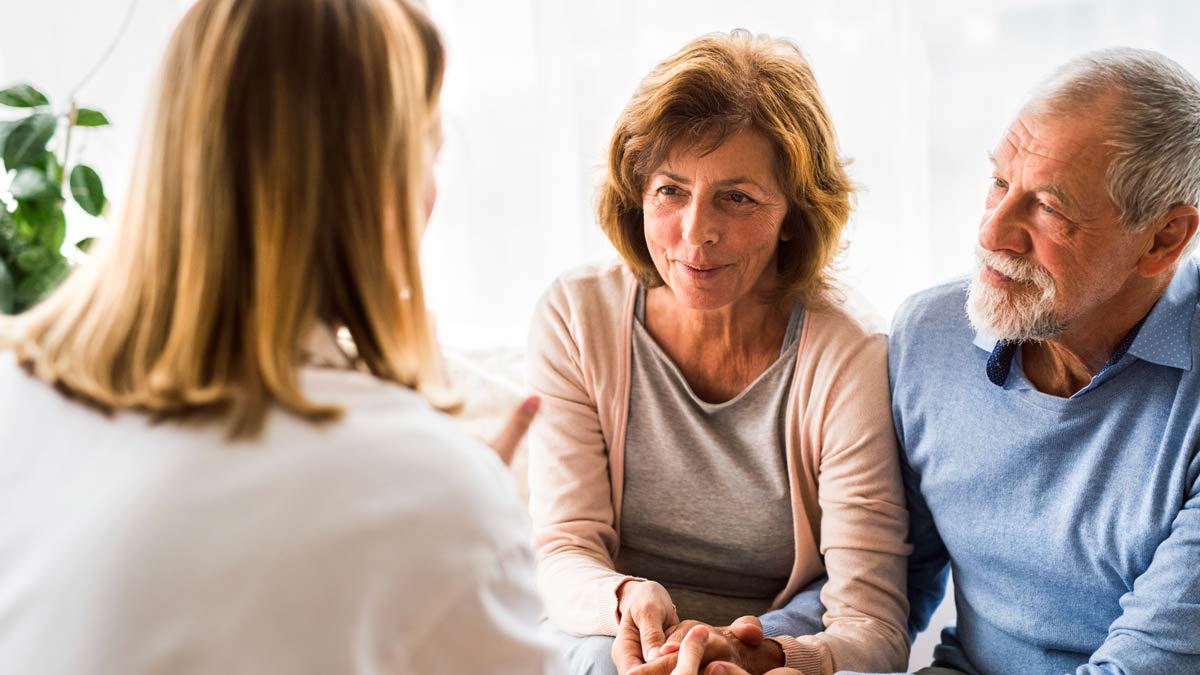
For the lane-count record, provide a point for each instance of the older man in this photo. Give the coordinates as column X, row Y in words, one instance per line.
column 1051, row 438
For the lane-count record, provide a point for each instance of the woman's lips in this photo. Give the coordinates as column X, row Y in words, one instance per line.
column 701, row 271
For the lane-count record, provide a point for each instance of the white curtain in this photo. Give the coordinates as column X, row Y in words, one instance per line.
column 919, row 91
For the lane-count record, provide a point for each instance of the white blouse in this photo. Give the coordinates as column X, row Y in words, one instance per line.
column 387, row 542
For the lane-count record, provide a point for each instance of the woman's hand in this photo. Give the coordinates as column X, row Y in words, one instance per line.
column 505, row 443
column 741, row 643
column 647, row 615
column 692, row 649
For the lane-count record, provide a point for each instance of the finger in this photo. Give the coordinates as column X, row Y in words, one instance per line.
column 675, row 636
column 506, row 442
column 627, row 646
column 691, row 651
column 727, row 668
column 747, row 629
column 652, row 635
column 663, row 665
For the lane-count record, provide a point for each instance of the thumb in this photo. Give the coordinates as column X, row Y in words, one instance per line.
column 748, row 629
column 506, row 442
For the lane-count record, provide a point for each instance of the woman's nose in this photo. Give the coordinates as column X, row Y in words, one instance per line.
column 699, row 224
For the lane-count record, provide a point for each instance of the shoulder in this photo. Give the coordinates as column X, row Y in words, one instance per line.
column 933, row 309
column 582, row 312
column 412, row 462
column 932, row 341
column 592, row 286
column 843, row 333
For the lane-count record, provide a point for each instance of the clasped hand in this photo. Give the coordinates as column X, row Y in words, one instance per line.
column 651, row 640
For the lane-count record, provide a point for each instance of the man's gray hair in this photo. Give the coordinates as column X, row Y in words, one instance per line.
column 1155, row 123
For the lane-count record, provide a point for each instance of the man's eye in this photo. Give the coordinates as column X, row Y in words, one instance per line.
column 1048, row 209
column 999, row 183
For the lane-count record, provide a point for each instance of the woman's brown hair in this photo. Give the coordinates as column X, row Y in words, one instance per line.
column 714, row 87
column 279, row 186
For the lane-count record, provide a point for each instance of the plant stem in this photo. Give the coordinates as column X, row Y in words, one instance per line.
column 71, row 117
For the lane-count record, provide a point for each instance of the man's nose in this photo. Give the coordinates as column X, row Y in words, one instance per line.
column 1003, row 228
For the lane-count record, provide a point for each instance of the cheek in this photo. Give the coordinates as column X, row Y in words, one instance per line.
column 757, row 236
column 661, row 228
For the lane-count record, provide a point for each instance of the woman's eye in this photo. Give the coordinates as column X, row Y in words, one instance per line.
column 668, row 190
column 740, row 198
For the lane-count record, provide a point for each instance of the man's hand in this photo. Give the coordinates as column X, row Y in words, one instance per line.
column 740, row 643
column 647, row 615
column 505, row 443
column 689, row 657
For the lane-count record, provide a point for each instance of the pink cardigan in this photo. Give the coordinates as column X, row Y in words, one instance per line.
column 843, row 468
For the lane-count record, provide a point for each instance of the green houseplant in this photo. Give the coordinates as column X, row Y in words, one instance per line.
column 33, row 225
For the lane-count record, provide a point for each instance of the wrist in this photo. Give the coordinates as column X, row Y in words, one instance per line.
column 623, row 590
column 772, row 655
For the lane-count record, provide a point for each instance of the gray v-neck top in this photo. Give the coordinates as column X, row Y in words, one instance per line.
column 706, row 509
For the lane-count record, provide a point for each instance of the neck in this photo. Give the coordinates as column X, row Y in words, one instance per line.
column 1067, row 362
column 746, row 325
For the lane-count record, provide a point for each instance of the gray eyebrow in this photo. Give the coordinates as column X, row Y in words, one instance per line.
column 1058, row 191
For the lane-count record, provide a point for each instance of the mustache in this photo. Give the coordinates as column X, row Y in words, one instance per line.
column 1017, row 269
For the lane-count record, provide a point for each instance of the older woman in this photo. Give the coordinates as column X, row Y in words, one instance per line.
column 195, row 476
column 716, row 432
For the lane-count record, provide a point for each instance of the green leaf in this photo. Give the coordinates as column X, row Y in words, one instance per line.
column 35, row 286
column 26, row 142
column 32, row 259
column 32, row 183
column 8, row 290
column 53, row 169
column 30, row 215
column 87, row 189
column 53, row 231
column 86, row 117
column 85, row 243
column 22, row 96
column 6, row 127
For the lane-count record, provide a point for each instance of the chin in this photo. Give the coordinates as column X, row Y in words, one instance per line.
column 701, row 299
column 1009, row 316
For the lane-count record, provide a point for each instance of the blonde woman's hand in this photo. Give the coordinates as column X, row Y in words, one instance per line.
column 647, row 615
column 506, row 442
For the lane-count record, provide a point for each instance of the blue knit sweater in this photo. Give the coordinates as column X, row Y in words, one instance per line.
column 1071, row 525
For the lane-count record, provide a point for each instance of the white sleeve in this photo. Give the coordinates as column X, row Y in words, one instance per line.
column 492, row 625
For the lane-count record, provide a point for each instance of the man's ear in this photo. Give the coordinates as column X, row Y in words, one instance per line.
column 1172, row 233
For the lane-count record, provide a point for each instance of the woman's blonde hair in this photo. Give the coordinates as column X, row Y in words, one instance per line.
column 714, row 87
column 279, row 186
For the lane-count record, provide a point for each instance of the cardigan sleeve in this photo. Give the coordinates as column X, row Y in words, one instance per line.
column 570, row 490
column 863, row 519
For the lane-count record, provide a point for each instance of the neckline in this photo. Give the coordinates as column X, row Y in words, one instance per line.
column 788, row 352
column 790, row 336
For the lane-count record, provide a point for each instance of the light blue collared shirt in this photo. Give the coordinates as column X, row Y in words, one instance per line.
column 1071, row 525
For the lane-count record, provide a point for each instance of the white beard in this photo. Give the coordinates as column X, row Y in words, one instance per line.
column 1016, row 317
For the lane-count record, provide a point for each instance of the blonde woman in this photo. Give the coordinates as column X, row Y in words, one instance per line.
column 194, row 476
column 716, row 433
